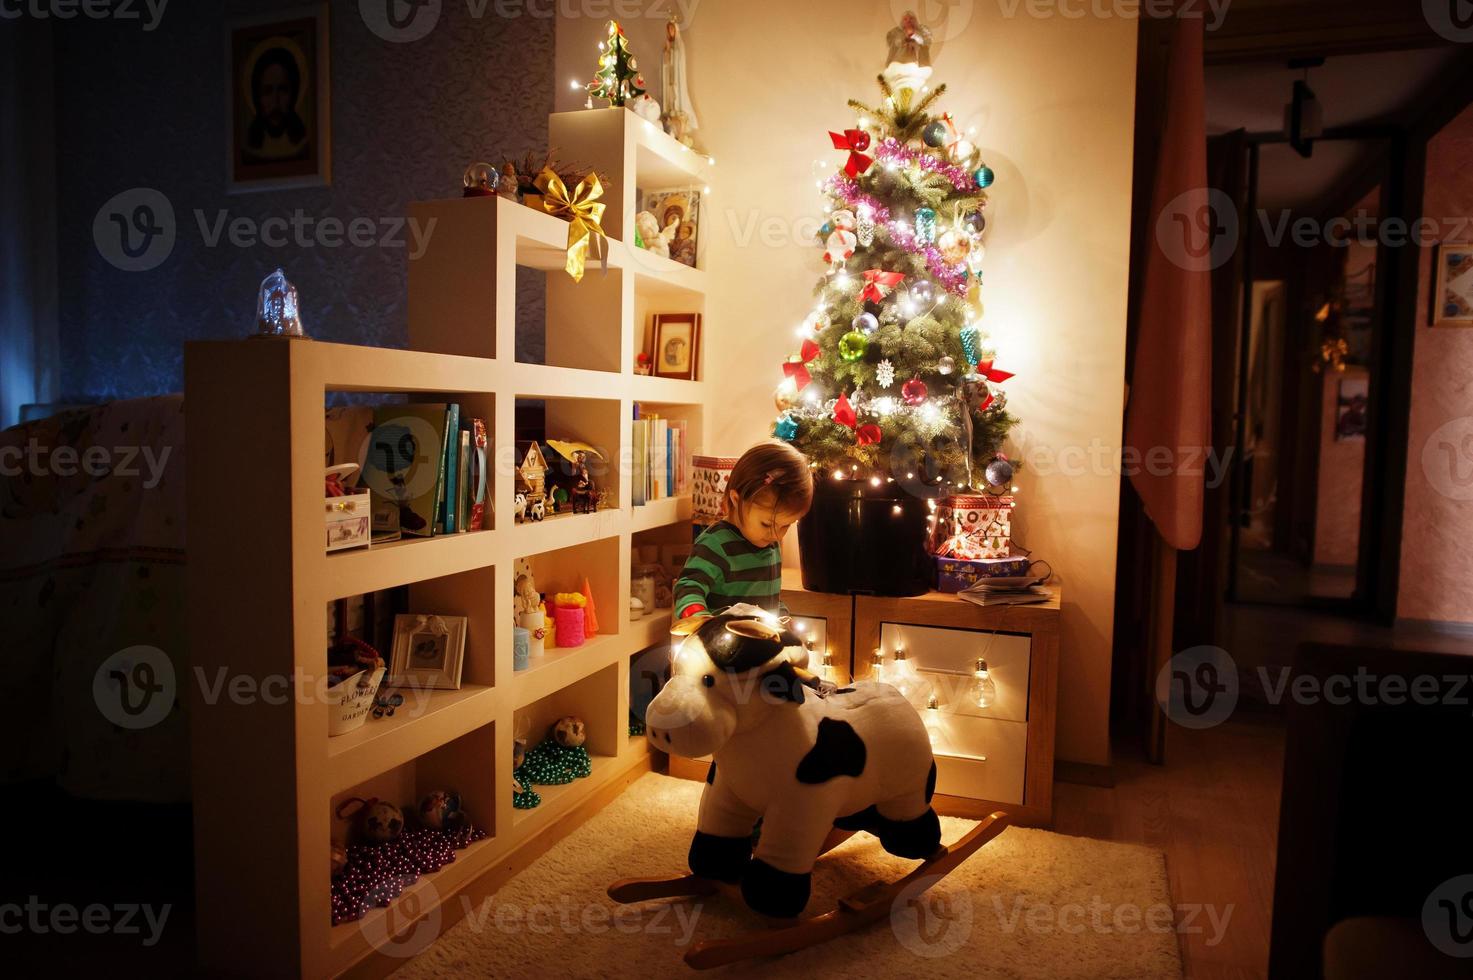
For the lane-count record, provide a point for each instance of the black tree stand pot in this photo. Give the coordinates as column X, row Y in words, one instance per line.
column 861, row 538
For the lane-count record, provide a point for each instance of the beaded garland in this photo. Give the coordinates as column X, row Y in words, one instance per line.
column 551, row 764
column 528, row 798
column 375, row 875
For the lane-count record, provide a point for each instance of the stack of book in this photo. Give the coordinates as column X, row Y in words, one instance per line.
column 662, row 457
column 1018, row 591
column 427, row 469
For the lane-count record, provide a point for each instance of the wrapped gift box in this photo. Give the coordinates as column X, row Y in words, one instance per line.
column 709, row 477
column 955, row 574
column 973, row 526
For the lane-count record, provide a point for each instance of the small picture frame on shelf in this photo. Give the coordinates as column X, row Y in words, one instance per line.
column 429, row 651
column 1452, row 294
column 677, row 341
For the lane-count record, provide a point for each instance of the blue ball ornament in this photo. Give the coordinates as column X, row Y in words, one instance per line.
column 786, row 428
column 866, row 322
column 984, row 176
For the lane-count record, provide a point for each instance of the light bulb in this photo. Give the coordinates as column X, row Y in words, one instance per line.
column 879, row 671
column 932, row 721
column 903, row 676
column 982, row 692
column 827, row 670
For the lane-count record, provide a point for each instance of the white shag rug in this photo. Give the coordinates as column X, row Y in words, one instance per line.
column 1030, row 904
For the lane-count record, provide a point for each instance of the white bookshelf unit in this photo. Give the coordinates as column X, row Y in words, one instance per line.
column 266, row 775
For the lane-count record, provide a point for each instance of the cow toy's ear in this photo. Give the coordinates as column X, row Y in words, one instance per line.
column 782, row 683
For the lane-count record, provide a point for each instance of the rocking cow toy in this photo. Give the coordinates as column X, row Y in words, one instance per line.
column 815, row 768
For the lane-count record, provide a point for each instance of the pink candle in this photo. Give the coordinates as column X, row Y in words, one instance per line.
column 569, row 630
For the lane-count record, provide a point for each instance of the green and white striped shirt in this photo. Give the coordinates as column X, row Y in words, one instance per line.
column 725, row 568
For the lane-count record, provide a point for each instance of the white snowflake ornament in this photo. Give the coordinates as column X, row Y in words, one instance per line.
column 885, row 373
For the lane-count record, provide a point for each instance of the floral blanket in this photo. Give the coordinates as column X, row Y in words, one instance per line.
column 92, row 591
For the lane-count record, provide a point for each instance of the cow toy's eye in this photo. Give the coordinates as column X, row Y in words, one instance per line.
column 708, row 680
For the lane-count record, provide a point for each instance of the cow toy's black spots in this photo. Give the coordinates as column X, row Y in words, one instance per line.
column 772, row 891
column 839, row 751
column 719, row 858
column 711, row 776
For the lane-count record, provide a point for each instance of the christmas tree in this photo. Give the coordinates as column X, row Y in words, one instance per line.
column 894, row 376
column 618, row 78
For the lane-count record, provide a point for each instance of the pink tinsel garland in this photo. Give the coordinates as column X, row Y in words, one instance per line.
column 891, row 149
column 952, row 277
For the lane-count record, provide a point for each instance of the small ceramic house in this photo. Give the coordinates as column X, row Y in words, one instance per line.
column 533, row 470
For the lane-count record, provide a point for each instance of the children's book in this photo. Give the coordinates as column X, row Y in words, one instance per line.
column 404, row 465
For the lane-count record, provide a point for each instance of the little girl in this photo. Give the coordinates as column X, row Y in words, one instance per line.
column 738, row 559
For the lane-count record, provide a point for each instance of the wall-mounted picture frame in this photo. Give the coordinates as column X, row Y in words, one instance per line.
column 429, row 651
column 1350, row 409
column 1452, row 285
column 677, row 345
column 278, row 101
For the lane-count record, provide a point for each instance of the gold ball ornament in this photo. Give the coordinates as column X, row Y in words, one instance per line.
column 954, row 246
column 785, row 395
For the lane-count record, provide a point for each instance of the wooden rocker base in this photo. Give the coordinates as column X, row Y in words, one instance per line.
column 869, row 904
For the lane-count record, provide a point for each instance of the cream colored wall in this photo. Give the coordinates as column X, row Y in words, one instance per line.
column 1052, row 99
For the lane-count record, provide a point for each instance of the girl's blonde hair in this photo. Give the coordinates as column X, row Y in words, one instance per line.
column 774, row 466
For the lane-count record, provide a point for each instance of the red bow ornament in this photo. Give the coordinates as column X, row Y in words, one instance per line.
column 796, row 367
column 987, row 371
column 878, row 283
column 844, row 412
column 868, row 434
column 853, row 140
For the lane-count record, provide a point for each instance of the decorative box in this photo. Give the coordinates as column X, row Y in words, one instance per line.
column 348, row 521
column 955, row 574
column 972, row 526
column 709, row 476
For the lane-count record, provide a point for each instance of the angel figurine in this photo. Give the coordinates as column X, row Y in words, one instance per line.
column 680, row 117
column 909, row 65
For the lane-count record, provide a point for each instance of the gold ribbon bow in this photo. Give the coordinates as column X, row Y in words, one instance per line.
column 583, row 213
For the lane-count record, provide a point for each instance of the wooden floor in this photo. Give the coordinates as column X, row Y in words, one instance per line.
column 1214, row 810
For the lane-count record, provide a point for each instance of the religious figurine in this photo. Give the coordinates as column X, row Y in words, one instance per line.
column 909, row 65
column 585, row 494
column 680, row 117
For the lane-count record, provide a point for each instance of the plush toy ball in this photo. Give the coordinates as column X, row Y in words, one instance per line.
column 569, row 732
column 381, row 822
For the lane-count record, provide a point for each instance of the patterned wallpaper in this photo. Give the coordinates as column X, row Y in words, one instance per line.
column 147, row 109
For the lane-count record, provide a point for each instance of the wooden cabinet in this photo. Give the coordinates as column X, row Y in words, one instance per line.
column 1000, row 757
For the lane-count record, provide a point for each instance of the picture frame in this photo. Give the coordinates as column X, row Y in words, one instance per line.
column 1350, row 409
column 1451, row 303
column 429, row 651
column 679, row 212
column 278, row 105
column 677, row 345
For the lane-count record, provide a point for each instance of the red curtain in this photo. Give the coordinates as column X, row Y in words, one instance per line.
column 1169, row 413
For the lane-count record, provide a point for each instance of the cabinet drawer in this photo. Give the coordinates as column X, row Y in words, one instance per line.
column 980, row 758
column 946, row 657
